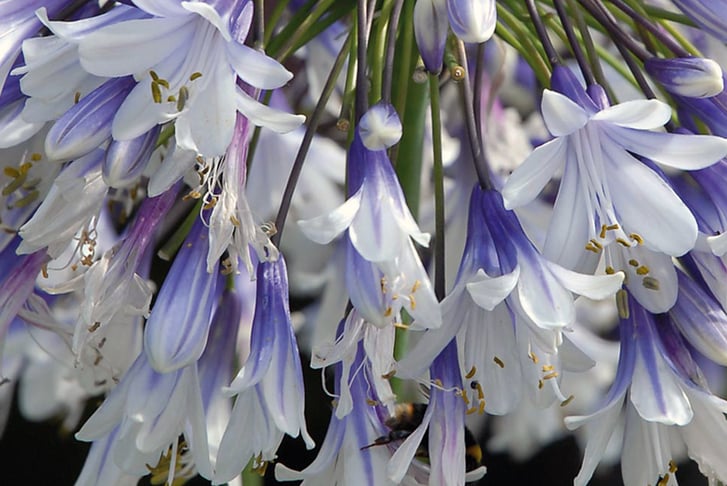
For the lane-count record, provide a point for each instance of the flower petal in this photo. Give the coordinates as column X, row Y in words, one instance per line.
column 562, row 115
column 487, row 292
column 639, row 114
column 526, row 181
column 323, row 229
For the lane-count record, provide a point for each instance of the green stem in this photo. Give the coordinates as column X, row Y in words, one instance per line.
column 275, row 16
column 377, row 51
column 172, row 245
column 439, row 283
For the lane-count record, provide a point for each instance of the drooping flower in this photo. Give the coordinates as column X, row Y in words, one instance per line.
column 176, row 332
column 507, row 310
column 384, row 271
column 472, row 20
column 694, row 77
column 660, row 397
column 269, row 387
column 195, row 85
column 606, row 194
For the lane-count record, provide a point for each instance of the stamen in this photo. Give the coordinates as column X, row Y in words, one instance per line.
column 416, row 286
column 156, row 92
column 596, row 244
column 637, row 238
column 550, row 376
column 589, row 246
column 610, row 270
column 36, row 157
column 642, row 270
column 533, row 357
column 623, row 242
column 93, row 327
column 633, row 263
column 540, row 384
column 650, row 283
column 471, row 372
column 412, row 302
column 565, row 402
column 622, row 303
column 663, row 481
column 498, row 362
column 25, row 200
column 672, row 466
column 76, row 97
column 547, row 368
column 183, row 96
column 195, row 75
column 235, row 221
column 389, row 375
column 371, row 402
column 602, row 234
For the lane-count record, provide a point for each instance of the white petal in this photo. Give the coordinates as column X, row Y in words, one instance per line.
column 526, row 181
column 267, row 117
column 656, row 392
column 718, row 244
column 562, row 115
column 640, row 114
column 487, row 292
column 542, row 297
column 648, row 206
column 210, row 14
column 137, row 114
column 255, row 68
column 595, row 287
column 133, row 46
column 323, row 229
column 681, row 151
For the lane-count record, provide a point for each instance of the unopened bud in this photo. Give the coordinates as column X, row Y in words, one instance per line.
column 695, row 77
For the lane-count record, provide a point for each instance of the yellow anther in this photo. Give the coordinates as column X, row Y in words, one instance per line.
column 388, row 312
column 371, row 402
column 163, row 82
column 44, row 270
column 438, row 382
column 550, row 376
column 465, row 398
column 412, row 302
column 156, row 92
column 480, row 392
column 623, row 242
column 533, row 357
column 482, row 407
column 171, row 98
column 610, row 270
column 195, row 75
column 565, row 402
column 11, row 172
column 642, row 270
column 498, row 362
column 389, row 375
column 211, row 203
column 602, row 234
column 153, row 75
column 36, row 157
column 633, row 263
column 183, row 96
column 637, row 238
column 672, row 466
column 416, row 286
column 15, row 184
column 540, row 384
column 663, row 481
column 590, row 247
column 26, row 200
column 650, row 283
column 612, row 227
column 94, row 327
column 596, row 244
column 472, row 410
column 76, row 97
column 622, row 304
column 547, row 368
column 471, row 373
column 235, row 221
column 401, row 325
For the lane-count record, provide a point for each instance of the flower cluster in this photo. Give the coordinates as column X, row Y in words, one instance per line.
column 481, row 222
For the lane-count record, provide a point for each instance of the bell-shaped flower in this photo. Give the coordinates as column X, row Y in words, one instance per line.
column 14, row 128
column 695, row 77
column 349, row 454
column 380, row 127
column 472, row 20
column 176, row 332
column 431, row 27
column 444, row 424
column 380, row 229
column 606, row 194
column 100, row 467
column 660, row 398
column 507, row 310
column 186, row 60
column 70, row 207
column 113, row 285
column 148, row 411
column 269, row 387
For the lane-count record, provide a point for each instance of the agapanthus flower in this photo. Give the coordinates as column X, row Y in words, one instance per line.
column 660, row 397
column 508, row 309
column 269, row 387
column 695, row 77
column 186, row 59
column 383, row 267
column 176, row 332
column 606, row 194
column 347, row 454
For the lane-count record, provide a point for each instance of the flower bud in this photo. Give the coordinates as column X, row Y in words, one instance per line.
column 430, row 31
column 126, row 159
column 380, row 127
column 472, row 20
column 695, row 77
